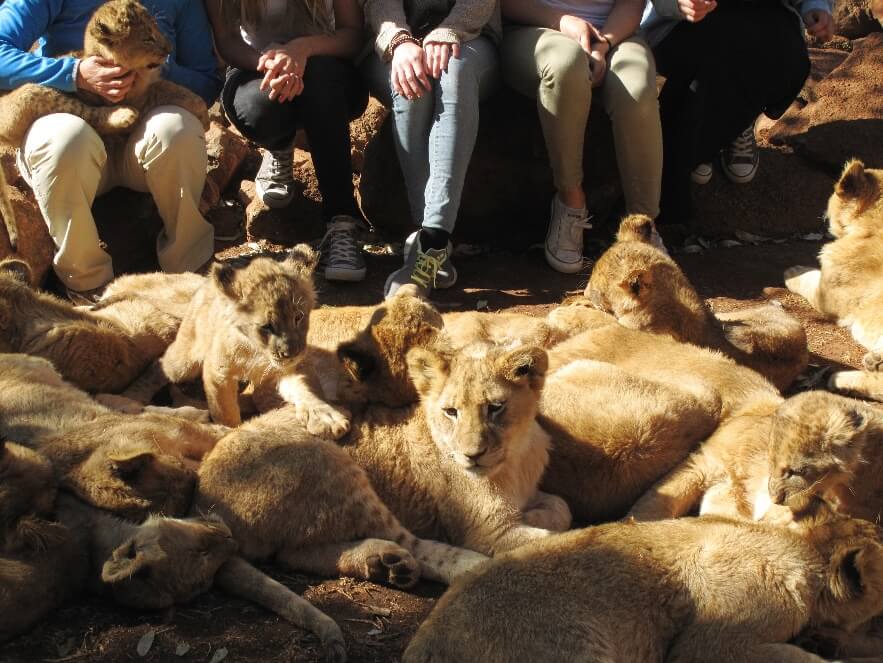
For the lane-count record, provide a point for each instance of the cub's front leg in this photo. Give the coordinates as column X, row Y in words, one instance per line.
column 222, row 394
column 804, row 281
column 547, row 511
column 319, row 417
column 166, row 93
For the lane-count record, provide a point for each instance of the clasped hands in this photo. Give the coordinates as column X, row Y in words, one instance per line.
column 413, row 65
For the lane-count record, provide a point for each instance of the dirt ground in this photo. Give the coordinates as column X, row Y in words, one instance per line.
column 378, row 621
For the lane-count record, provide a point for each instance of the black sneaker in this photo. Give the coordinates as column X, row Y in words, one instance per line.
column 741, row 158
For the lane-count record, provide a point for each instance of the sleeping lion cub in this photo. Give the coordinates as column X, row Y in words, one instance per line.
column 645, row 289
column 849, row 284
column 249, row 322
column 125, row 33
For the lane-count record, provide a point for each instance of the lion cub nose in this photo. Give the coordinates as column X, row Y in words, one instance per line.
column 475, row 456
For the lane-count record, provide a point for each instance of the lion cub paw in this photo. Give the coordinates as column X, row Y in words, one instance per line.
column 393, row 565
column 324, row 420
column 121, row 119
column 872, row 362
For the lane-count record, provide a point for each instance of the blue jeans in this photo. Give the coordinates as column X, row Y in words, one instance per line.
column 435, row 134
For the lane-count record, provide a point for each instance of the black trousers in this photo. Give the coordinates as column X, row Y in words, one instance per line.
column 333, row 94
column 745, row 58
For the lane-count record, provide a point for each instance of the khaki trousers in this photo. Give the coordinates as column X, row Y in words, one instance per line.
column 67, row 165
column 549, row 66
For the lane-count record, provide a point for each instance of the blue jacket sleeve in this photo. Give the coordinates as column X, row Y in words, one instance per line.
column 22, row 22
column 806, row 6
column 193, row 64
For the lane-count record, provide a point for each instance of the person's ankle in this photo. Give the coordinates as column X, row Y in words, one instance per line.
column 572, row 198
column 434, row 238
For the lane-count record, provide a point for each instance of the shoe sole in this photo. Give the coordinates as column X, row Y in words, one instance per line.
column 270, row 201
column 347, row 275
column 563, row 267
column 701, row 179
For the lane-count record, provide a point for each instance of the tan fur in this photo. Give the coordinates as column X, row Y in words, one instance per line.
column 464, row 465
column 848, row 286
column 27, row 497
column 125, row 33
column 646, row 290
column 505, row 329
column 249, row 322
column 131, row 464
column 301, row 501
column 614, row 434
column 683, row 590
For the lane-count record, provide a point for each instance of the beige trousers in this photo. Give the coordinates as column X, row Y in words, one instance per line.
column 549, row 66
column 67, row 164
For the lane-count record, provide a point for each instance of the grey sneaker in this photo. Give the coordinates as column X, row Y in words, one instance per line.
column 275, row 181
column 741, row 158
column 421, row 268
column 341, row 251
column 564, row 240
column 446, row 276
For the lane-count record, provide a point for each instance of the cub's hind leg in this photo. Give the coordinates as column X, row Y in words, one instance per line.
column 369, row 559
column 805, row 282
column 858, row 383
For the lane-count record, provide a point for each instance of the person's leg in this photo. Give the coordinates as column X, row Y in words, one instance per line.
column 552, row 68
column 629, row 93
column 62, row 158
column 332, row 95
column 166, row 156
column 268, row 123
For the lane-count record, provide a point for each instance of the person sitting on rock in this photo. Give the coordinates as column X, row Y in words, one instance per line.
column 67, row 164
column 725, row 62
column 434, row 61
column 291, row 66
column 558, row 51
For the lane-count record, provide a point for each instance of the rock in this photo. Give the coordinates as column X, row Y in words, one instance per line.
column 509, row 183
column 299, row 222
column 845, row 118
column 226, row 152
column 35, row 246
column 853, row 18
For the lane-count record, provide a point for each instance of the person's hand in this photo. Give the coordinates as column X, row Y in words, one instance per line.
column 598, row 60
column 695, row 10
column 104, row 78
column 578, row 30
column 285, row 87
column 283, row 68
column 437, row 56
column 409, row 71
column 819, row 24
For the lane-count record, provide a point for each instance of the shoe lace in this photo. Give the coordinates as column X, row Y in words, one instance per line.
column 426, row 268
column 577, row 226
column 340, row 240
column 281, row 167
column 744, row 144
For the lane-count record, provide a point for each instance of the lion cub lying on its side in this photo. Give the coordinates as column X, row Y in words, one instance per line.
column 692, row 589
column 250, row 322
column 645, row 289
column 849, row 284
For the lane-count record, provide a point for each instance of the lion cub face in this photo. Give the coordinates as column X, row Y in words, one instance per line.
column 817, row 443
column 124, row 32
column 271, row 301
column 168, row 561
column 478, row 399
column 856, row 206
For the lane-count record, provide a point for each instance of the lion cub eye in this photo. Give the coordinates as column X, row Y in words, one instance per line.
column 450, row 412
column 267, row 330
column 298, row 317
column 493, row 409
column 154, row 65
column 793, row 472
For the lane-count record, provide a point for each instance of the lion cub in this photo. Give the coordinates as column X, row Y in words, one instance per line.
column 249, row 322
column 707, row 589
column 645, row 289
column 849, row 284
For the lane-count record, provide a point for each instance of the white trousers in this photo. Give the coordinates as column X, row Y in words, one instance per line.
column 67, row 165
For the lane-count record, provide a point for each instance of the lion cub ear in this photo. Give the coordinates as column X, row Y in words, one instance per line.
column 18, row 269
column 304, row 256
column 524, row 365
column 224, row 276
column 359, row 365
column 129, row 462
column 635, row 228
column 855, row 569
column 130, row 560
column 638, row 283
column 428, row 368
column 857, row 184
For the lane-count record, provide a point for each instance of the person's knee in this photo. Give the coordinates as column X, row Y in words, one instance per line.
column 62, row 143
column 564, row 66
column 630, row 86
column 325, row 70
column 172, row 133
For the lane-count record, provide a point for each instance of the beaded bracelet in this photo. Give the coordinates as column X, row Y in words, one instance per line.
column 401, row 37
